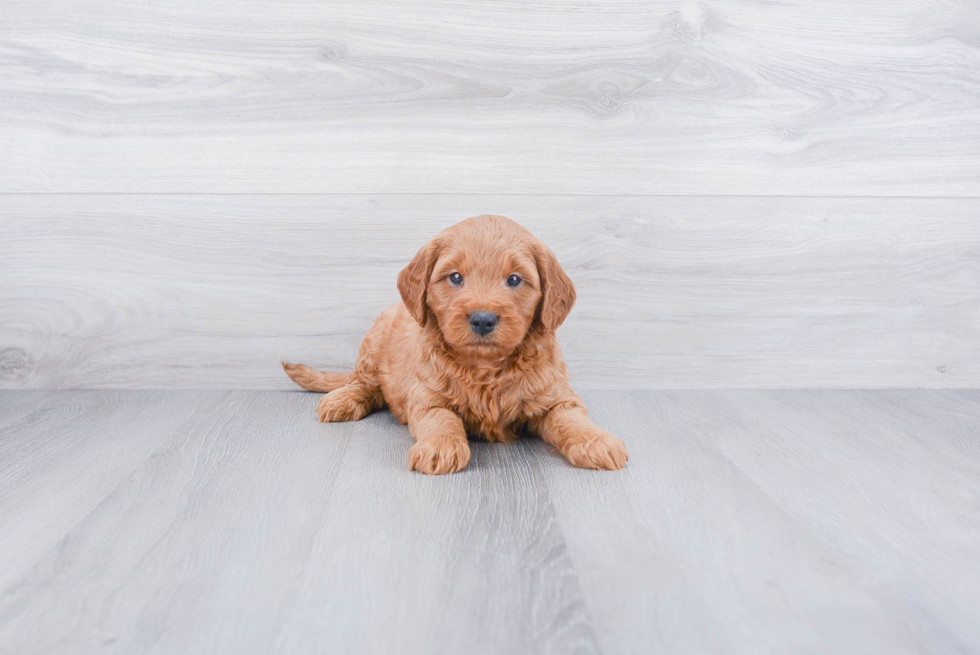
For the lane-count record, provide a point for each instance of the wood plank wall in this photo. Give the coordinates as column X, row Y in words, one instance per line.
column 747, row 194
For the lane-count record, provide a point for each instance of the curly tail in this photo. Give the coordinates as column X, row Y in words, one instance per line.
column 323, row 381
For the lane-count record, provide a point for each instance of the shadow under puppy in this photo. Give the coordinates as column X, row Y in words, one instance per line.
column 471, row 349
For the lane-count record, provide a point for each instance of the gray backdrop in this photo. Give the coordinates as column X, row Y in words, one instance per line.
column 746, row 194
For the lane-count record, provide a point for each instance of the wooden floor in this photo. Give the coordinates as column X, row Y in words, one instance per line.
column 745, row 521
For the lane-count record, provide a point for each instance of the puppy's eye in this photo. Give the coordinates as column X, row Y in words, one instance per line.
column 456, row 278
column 513, row 281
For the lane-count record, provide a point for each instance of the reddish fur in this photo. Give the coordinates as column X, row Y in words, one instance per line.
column 424, row 362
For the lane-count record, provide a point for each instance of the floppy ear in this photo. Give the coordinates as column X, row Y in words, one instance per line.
column 557, row 290
column 414, row 280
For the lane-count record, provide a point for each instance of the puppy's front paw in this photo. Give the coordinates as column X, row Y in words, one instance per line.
column 435, row 456
column 596, row 449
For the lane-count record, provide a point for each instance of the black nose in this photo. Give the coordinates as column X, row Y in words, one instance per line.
column 482, row 322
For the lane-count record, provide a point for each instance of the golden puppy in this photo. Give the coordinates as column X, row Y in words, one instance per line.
column 471, row 349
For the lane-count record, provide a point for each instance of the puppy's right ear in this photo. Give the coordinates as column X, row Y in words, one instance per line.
column 414, row 280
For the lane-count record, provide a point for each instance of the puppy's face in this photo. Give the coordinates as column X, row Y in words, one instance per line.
column 483, row 299
column 485, row 282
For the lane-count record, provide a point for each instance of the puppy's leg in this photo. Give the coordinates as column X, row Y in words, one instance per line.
column 351, row 402
column 582, row 442
column 354, row 395
column 440, row 442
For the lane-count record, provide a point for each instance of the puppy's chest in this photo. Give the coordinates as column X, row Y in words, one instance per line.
column 493, row 409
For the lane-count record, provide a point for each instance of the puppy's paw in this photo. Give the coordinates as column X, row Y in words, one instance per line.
column 343, row 404
column 596, row 449
column 437, row 456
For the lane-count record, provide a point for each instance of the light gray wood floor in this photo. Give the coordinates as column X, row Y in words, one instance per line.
column 745, row 521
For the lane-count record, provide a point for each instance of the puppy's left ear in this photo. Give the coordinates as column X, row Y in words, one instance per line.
column 557, row 290
column 413, row 281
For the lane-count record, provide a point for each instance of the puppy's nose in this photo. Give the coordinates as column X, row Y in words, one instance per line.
column 483, row 322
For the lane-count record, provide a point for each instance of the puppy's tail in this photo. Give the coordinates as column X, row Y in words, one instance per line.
column 323, row 381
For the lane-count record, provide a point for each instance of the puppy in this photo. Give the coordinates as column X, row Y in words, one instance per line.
column 471, row 349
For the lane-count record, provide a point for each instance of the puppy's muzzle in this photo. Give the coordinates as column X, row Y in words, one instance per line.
column 483, row 322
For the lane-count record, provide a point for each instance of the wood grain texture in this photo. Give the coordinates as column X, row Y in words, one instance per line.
column 261, row 530
column 61, row 454
column 674, row 292
column 745, row 521
column 782, row 522
column 572, row 96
